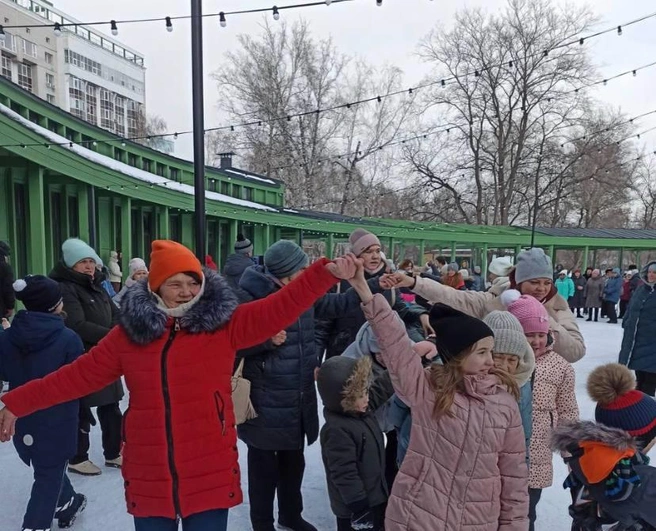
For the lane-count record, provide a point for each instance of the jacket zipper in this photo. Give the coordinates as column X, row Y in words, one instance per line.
column 220, row 409
column 167, row 416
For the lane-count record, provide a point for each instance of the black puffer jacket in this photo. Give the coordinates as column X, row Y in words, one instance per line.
column 335, row 335
column 352, row 445
column 91, row 313
column 234, row 268
column 282, row 378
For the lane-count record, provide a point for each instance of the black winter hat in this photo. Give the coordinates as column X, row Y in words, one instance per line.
column 38, row 293
column 455, row 331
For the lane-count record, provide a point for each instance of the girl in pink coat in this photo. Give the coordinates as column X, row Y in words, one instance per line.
column 554, row 394
column 465, row 467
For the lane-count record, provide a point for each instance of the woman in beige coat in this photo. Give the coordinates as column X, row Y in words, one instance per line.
column 466, row 464
column 533, row 275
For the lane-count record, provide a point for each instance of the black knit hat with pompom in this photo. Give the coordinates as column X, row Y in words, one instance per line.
column 455, row 331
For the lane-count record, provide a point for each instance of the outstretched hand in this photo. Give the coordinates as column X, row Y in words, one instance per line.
column 388, row 281
column 402, row 280
column 7, row 425
column 343, row 267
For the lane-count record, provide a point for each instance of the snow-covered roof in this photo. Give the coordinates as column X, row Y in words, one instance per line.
column 248, row 175
column 126, row 169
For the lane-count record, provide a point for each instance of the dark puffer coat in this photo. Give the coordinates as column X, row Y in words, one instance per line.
column 578, row 300
column 91, row 314
column 638, row 350
column 335, row 335
column 36, row 345
column 352, row 445
column 180, row 443
column 282, row 378
column 234, row 268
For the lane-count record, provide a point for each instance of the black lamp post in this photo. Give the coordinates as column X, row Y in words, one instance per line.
column 199, row 125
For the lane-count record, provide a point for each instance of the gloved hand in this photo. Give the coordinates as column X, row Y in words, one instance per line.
column 86, row 419
column 363, row 521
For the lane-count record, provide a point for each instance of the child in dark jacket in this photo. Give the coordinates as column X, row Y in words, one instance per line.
column 35, row 345
column 611, row 481
column 352, row 445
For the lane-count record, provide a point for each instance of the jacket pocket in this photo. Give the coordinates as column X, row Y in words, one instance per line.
column 220, row 410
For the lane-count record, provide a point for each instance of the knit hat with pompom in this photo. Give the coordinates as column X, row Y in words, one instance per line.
column 530, row 312
column 620, row 405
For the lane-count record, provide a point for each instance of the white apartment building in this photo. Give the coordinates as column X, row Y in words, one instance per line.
column 82, row 71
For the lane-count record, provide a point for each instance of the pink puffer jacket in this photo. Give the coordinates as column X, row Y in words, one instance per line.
column 462, row 472
column 554, row 403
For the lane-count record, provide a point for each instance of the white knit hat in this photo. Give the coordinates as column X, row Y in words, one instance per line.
column 501, row 266
column 509, row 338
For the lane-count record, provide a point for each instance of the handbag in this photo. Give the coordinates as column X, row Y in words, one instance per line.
column 241, row 396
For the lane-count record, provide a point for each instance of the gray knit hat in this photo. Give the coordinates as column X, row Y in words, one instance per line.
column 532, row 264
column 284, row 258
column 243, row 245
column 453, row 266
column 509, row 338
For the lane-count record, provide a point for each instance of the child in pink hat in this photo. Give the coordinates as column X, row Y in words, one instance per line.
column 554, row 396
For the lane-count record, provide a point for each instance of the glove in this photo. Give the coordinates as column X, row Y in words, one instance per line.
column 86, row 419
column 363, row 521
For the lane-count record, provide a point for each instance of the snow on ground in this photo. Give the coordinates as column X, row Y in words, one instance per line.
column 106, row 508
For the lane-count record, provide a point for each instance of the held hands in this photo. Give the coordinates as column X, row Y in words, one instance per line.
column 343, row 267
column 403, row 281
column 425, row 324
column 7, row 425
column 279, row 338
column 388, row 281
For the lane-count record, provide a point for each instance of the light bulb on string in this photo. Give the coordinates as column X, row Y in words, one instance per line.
column 276, row 13
column 379, row 3
column 328, row 2
column 619, row 30
column 222, row 19
column 169, row 24
column 57, row 31
column 114, row 27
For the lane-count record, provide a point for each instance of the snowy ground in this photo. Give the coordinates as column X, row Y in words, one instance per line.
column 106, row 508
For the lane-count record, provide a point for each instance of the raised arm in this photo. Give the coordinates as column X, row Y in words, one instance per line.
column 514, row 477
column 333, row 305
column 90, row 372
column 254, row 322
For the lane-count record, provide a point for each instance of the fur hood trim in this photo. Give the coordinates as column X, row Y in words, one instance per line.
column 569, row 435
column 144, row 321
column 357, row 385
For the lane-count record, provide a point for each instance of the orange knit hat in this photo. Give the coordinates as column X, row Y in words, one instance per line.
column 169, row 258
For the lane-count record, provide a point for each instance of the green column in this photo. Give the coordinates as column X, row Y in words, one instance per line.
column 422, row 250
column 484, row 262
column 126, row 225
column 586, row 251
column 391, row 256
column 163, row 230
column 36, row 257
column 518, row 249
column 453, row 251
column 234, row 226
column 83, row 209
column 330, row 245
column 621, row 258
column 266, row 233
column 552, row 254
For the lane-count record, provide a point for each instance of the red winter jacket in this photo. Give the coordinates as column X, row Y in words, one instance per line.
column 180, row 443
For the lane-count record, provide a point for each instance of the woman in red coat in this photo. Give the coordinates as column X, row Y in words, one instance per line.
column 176, row 346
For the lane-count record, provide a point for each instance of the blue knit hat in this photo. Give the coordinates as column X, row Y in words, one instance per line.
column 284, row 258
column 74, row 250
column 38, row 293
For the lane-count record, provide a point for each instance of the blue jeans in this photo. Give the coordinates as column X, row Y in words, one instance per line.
column 215, row 520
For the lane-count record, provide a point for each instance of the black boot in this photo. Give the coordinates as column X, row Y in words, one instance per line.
column 295, row 524
column 589, row 318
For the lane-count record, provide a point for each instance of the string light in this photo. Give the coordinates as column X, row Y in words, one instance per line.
column 57, row 29
column 222, row 19
column 169, row 24
column 379, row 3
column 619, row 30
column 276, row 13
column 114, row 27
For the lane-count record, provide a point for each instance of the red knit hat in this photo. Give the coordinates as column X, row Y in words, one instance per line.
column 530, row 312
column 169, row 258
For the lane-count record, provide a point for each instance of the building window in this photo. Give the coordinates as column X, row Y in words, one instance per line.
column 25, row 76
column 56, row 209
column 29, row 48
column 21, row 215
column 236, row 190
column 6, row 67
column 160, row 169
column 92, row 104
column 175, row 174
column 76, row 96
column 50, row 81
column 106, row 109
column 248, row 194
column 49, row 58
column 225, row 188
column 50, row 98
column 9, row 43
column 119, row 114
column 132, row 159
column 146, row 165
column 119, row 154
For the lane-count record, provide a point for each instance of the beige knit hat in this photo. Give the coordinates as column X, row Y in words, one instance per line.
column 509, row 338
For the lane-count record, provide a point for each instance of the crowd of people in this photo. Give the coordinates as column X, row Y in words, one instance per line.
column 444, row 393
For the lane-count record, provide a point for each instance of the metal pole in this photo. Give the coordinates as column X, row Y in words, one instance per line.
column 199, row 125
column 535, row 220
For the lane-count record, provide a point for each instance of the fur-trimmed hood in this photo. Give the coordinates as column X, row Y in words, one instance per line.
column 570, row 435
column 144, row 321
column 342, row 381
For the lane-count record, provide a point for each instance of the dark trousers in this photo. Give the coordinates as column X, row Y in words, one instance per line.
column 591, row 312
column 270, row 472
column 52, row 492
column 110, row 418
column 391, row 454
column 611, row 311
column 646, row 382
column 533, row 499
column 344, row 524
column 623, row 307
column 215, row 520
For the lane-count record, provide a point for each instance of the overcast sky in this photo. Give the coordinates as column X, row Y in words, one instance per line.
column 387, row 34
